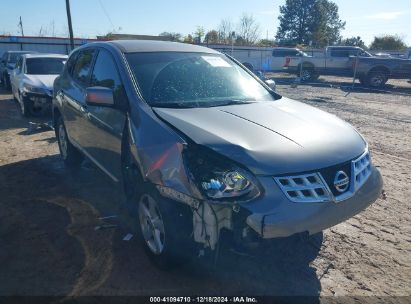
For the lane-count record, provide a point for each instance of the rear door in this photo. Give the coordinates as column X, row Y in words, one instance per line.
column 105, row 125
column 338, row 61
column 278, row 59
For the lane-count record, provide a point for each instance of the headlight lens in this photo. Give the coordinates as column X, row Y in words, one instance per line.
column 220, row 180
column 227, row 184
column 32, row 89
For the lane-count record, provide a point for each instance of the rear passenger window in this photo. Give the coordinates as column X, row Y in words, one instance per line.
column 340, row 53
column 105, row 74
column 82, row 67
column 70, row 63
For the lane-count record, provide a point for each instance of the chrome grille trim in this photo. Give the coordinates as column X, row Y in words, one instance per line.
column 312, row 188
column 304, row 188
column 361, row 170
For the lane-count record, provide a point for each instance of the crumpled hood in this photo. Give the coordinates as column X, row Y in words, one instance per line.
column 42, row 81
column 284, row 136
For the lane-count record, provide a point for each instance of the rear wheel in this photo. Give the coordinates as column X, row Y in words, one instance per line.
column 362, row 80
column 377, row 78
column 70, row 155
column 308, row 74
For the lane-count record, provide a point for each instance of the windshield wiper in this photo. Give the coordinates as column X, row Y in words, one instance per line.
column 174, row 105
column 233, row 102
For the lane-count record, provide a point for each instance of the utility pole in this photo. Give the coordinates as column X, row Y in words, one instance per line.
column 21, row 27
column 69, row 24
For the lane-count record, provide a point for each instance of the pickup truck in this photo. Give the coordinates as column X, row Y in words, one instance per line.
column 277, row 59
column 375, row 71
column 370, row 70
column 335, row 61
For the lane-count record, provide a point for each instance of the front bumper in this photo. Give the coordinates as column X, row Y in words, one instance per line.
column 288, row 218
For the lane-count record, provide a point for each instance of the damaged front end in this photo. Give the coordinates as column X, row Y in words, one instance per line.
column 217, row 185
column 211, row 185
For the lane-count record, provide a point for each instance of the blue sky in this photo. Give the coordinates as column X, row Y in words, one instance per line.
column 365, row 18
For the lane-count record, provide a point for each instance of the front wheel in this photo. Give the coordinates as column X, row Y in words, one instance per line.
column 166, row 228
column 70, row 155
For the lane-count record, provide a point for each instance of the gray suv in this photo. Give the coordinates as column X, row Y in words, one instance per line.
column 203, row 146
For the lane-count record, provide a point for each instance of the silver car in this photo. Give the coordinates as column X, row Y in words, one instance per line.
column 203, row 146
column 32, row 81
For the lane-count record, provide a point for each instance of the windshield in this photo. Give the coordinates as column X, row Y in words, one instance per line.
column 44, row 66
column 176, row 79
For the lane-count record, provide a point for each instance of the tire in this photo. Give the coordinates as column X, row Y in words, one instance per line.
column 362, row 80
column 70, row 155
column 377, row 78
column 24, row 107
column 308, row 74
column 6, row 82
column 165, row 229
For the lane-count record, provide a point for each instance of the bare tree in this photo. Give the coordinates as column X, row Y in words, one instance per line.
column 225, row 31
column 248, row 29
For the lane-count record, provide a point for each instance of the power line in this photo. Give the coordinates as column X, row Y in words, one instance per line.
column 21, row 27
column 107, row 15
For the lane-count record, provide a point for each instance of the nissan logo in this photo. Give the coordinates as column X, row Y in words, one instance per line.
column 341, row 181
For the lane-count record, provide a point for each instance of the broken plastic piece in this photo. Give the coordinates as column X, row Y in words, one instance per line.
column 105, row 226
column 127, row 237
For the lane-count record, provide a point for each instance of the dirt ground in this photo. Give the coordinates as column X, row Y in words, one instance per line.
column 49, row 244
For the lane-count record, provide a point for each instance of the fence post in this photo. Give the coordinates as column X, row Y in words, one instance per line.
column 355, row 70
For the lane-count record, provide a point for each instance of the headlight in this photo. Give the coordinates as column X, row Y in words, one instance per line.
column 221, row 180
column 32, row 89
column 226, row 184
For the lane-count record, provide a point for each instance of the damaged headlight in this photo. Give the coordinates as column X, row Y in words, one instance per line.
column 226, row 184
column 27, row 88
column 221, row 180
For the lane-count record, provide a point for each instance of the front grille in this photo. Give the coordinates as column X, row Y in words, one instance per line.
column 361, row 170
column 307, row 188
column 319, row 186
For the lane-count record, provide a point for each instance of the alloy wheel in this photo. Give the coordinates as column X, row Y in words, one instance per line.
column 151, row 224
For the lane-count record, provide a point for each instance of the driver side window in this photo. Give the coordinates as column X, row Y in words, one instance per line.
column 105, row 74
column 19, row 65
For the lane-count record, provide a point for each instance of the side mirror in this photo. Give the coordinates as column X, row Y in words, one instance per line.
column 99, row 96
column 271, row 84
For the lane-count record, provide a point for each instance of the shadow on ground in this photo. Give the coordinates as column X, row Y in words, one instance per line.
column 49, row 245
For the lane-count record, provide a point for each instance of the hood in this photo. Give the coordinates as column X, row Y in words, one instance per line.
column 270, row 138
column 42, row 81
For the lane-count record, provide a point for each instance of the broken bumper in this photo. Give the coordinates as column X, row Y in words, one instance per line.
column 289, row 218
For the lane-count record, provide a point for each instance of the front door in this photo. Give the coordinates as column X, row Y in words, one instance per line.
column 105, row 125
